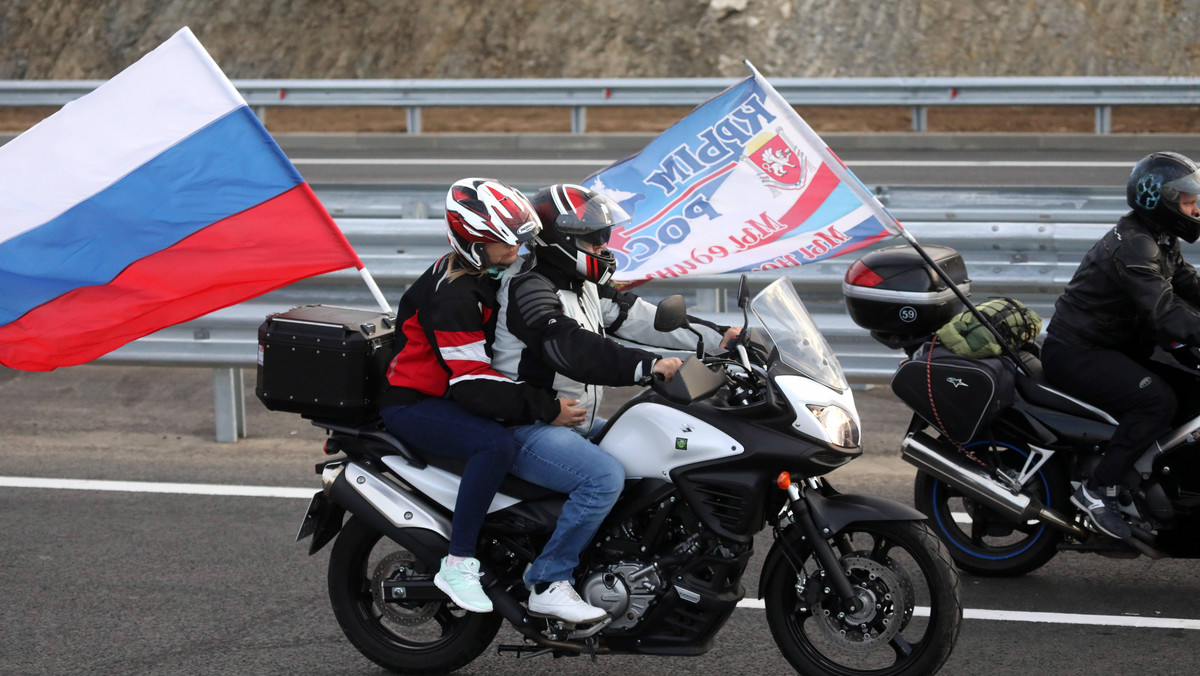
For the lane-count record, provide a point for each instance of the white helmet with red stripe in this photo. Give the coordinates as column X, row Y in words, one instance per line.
column 572, row 214
column 482, row 210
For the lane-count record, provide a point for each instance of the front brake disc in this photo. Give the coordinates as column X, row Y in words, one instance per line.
column 884, row 603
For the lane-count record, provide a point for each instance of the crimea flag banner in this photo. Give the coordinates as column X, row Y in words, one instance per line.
column 742, row 184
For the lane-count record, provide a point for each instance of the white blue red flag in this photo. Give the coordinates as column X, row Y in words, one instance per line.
column 741, row 184
column 154, row 199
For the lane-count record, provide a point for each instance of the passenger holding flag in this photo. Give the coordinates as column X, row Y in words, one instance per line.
column 555, row 316
column 443, row 396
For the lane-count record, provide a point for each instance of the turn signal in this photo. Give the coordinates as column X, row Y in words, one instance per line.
column 783, row 481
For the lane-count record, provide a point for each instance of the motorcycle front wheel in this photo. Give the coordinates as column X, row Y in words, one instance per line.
column 983, row 542
column 404, row 637
column 908, row 604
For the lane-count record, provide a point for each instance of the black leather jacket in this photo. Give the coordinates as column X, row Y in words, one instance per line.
column 1131, row 291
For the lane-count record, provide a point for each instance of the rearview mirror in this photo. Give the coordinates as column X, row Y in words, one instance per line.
column 743, row 293
column 671, row 314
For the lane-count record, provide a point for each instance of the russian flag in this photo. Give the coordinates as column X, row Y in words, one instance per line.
column 153, row 200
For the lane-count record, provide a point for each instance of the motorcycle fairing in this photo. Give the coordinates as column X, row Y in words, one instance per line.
column 651, row 439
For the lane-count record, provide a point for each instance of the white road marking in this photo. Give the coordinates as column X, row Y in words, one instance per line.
column 306, row 493
column 1050, row 618
column 152, row 487
column 443, row 161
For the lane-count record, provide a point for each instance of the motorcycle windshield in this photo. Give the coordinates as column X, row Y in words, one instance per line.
column 801, row 346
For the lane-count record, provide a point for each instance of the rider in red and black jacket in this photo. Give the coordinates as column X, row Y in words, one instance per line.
column 442, row 395
column 446, row 327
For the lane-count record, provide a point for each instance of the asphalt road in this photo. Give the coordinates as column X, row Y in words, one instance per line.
column 152, row 577
column 133, row 582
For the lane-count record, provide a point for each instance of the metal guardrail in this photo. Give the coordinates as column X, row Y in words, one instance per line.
column 1022, row 242
column 1100, row 93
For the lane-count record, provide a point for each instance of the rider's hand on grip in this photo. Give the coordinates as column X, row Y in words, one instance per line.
column 568, row 416
column 730, row 337
column 665, row 368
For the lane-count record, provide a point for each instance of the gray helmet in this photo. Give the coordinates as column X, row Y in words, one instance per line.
column 1155, row 186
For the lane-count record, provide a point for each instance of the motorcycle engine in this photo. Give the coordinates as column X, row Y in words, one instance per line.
column 1157, row 503
column 624, row 590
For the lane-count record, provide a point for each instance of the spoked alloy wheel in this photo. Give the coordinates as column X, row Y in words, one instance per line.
column 908, row 605
column 409, row 637
column 982, row 541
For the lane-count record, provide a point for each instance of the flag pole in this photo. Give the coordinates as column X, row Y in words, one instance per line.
column 370, row 281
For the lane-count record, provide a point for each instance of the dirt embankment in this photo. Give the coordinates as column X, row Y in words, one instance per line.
column 398, row 39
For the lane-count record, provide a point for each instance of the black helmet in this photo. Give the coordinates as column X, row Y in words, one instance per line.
column 1154, row 188
column 571, row 214
column 482, row 210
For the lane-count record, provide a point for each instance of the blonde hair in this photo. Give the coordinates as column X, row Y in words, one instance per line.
column 458, row 267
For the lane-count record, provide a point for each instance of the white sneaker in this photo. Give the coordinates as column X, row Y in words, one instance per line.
column 461, row 583
column 560, row 601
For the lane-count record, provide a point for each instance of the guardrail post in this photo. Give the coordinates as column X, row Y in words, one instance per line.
column 712, row 299
column 1103, row 119
column 918, row 118
column 578, row 119
column 230, row 404
column 412, row 117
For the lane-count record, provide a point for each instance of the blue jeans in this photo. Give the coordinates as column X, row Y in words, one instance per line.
column 442, row 427
column 561, row 459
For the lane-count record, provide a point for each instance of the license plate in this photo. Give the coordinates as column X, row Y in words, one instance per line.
column 312, row 516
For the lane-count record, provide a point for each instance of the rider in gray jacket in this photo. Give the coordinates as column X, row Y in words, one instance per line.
column 552, row 332
column 558, row 311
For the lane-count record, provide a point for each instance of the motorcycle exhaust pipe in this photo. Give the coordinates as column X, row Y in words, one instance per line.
column 952, row 467
column 390, row 510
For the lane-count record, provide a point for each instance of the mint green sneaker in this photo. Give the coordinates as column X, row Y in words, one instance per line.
column 461, row 583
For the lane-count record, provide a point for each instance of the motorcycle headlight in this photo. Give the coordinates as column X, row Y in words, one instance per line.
column 840, row 427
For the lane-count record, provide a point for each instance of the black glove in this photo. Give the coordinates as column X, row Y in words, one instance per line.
column 1187, row 355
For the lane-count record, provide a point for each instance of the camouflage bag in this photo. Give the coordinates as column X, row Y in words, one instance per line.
column 965, row 335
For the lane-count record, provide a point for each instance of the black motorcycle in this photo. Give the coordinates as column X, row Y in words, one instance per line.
column 1000, row 451
column 853, row 584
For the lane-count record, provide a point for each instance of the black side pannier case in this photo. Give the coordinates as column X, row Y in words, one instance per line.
column 323, row 361
column 957, row 395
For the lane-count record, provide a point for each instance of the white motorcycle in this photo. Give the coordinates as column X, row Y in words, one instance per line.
column 853, row 584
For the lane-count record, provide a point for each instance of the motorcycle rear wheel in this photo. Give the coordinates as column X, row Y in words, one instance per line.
column 410, row 638
column 983, row 542
column 910, row 619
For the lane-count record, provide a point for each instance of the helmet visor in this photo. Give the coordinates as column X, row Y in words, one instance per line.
column 1189, row 183
column 592, row 221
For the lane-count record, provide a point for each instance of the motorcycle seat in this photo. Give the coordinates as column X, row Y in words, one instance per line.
column 1035, row 389
column 511, row 486
column 388, row 444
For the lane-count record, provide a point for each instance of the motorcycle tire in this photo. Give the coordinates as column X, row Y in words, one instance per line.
column 412, row 637
column 899, row 569
column 983, row 542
